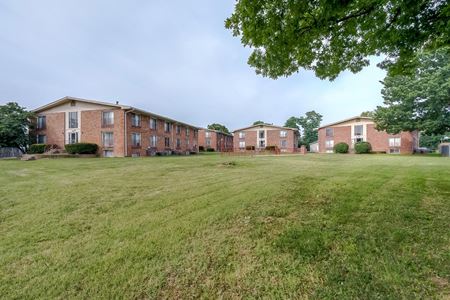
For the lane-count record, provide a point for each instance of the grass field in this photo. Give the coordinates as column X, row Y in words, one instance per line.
column 315, row 226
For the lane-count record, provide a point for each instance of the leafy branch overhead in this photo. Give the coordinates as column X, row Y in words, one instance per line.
column 329, row 36
column 420, row 101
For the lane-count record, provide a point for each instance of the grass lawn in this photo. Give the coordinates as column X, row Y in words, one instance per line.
column 315, row 226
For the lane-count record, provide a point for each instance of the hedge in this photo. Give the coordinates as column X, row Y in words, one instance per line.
column 210, row 150
column 81, row 148
column 363, row 147
column 271, row 148
column 37, row 148
column 248, row 148
column 341, row 148
column 201, row 148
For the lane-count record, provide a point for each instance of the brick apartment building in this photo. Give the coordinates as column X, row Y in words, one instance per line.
column 217, row 140
column 118, row 130
column 258, row 137
column 358, row 129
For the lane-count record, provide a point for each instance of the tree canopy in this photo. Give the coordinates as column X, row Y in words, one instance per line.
column 329, row 36
column 309, row 124
column 420, row 101
column 14, row 126
column 292, row 122
column 259, row 122
column 218, row 127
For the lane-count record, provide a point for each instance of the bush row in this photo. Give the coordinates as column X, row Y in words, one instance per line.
column 360, row 147
column 81, row 148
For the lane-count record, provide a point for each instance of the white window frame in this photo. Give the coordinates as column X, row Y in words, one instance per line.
column 44, row 140
column 242, row 135
column 70, row 120
column 283, row 144
column 107, row 118
column 395, row 142
column 329, row 144
column 73, row 137
column 283, row 133
column 41, row 122
column 135, row 120
column 242, row 144
column 153, row 141
column 135, row 139
column 108, row 142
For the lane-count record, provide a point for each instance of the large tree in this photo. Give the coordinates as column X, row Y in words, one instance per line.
column 310, row 124
column 292, row 122
column 14, row 126
column 420, row 101
column 329, row 36
column 218, row 127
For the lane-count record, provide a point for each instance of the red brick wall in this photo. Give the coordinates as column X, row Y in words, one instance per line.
column 55, row 129
column 91, row 130
column 340, row 135
column 272, row 139
column 219, row 141
column 146, row 132
column 379, row 140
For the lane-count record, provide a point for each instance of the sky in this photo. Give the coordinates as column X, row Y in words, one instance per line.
column 173, row 58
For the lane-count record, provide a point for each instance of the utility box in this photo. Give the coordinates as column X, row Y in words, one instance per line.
column 444, row 149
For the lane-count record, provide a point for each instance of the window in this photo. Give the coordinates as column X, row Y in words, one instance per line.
column 283, row 144
column 135, row 120
column 262, row 144
column 283, row 133
column 41, row 122
column 394, row 150
column 394, row 142
column 242, row 145
column 178, row 129
column 187, row 131
column 208, row 142
column 178, row 143
column 153, row 141
column 358, row 129
column 108, row 153
column 167, row 126
column 262, row 134
column 195, row 133
column 153, row 123
column 207, row 134
column 107, row 118
column 136, row 139
column 73, row 137
column 329, row 144
column 242, row 135
column 167, row 142
column 107, row 139
column 41, row 139
column 73, row 119
column 329, row 132
column 187, row 142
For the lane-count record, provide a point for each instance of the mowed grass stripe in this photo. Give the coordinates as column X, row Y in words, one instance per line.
column 317, row 226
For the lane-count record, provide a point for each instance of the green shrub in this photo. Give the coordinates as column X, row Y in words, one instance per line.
column 341, row 148
column 271, row 148
column 37, row 148
column 210, row 150
column 81, row 148
column 201, row 148
column 363, row 147
column 250, row 148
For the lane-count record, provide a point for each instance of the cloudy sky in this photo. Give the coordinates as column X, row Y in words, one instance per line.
column 174, row 58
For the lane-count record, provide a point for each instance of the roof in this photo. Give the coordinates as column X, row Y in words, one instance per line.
column 346, row 120
column 117, row 105
column 218, row 131
column 266, row 125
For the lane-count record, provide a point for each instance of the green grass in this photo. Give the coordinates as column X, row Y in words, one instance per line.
column 314, row 226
